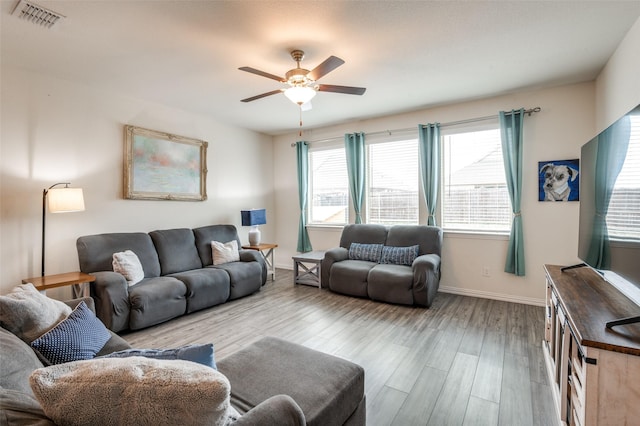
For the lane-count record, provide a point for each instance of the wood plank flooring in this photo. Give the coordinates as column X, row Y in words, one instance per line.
column 464, row 361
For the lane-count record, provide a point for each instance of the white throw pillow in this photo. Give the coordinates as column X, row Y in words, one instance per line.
column 29, row 314
column 128, row 264
column 225, row 252
column 123, row 391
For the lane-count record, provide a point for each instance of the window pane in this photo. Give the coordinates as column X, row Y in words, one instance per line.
column 475, row 196
column 328, row 187
column 623, row 217
column 393, row 183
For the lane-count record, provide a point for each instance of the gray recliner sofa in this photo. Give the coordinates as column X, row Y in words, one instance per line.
column 179, row 275
column 382, row 279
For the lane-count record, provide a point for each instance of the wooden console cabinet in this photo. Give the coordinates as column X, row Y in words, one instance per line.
column 594, row 371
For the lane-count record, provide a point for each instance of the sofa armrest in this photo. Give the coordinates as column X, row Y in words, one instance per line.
column 255, row 256
column 279, row 410
column 110, row 292
column 331, row 256
column 426, row 278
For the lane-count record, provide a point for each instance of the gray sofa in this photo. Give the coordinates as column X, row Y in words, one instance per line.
column 179, row 275
column 271, row 380
column 414, row 284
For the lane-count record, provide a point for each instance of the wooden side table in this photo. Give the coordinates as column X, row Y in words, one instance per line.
column 266, row 250
column 310, row 274
column 75, row 279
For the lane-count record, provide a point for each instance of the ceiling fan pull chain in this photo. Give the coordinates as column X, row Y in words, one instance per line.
column 300, row 134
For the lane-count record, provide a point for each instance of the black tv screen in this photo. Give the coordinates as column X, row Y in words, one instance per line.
column 609, row 232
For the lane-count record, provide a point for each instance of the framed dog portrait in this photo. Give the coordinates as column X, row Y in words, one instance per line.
column 558, row 180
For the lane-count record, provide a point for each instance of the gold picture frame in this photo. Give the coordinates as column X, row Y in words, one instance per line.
column 162, row 166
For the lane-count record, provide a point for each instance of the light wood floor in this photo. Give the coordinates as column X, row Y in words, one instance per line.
column 464, row 361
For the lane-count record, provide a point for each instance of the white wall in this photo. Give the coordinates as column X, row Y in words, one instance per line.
column 59, row 131
column 618, row 85
column 550, row 229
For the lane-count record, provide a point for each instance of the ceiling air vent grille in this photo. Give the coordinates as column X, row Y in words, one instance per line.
column 36, row 14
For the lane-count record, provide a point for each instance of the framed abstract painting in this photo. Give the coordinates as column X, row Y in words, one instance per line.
column 162, row 166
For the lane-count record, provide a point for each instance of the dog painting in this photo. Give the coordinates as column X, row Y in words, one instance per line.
column 558, row 180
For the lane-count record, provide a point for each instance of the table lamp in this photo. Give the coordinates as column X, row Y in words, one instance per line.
column 254, row 218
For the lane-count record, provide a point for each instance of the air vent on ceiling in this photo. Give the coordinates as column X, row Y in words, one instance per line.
column 36, row 14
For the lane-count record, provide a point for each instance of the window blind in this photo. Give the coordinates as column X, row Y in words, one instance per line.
column 329, row 194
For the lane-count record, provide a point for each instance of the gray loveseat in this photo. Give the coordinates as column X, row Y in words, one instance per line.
column 273, row 382
column 179, row 275
column 347, row 271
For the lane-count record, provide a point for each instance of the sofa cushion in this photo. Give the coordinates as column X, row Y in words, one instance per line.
column 176, row 250
column 124, row 390
column 28, row 314
column 79, row 336
column 202, row 354
column 128, row 265
column 363, row 233
column 370, row 252
column 206, row 287
column 225, row 252
column 155, row 300
column 350, row 277
column 399, row 255
column 391, row 283
column 205, row 234
column 327, row 388
column 18, row 408
column 244, row 277
column 95, row 252
column 429, row 238
column 17, row 361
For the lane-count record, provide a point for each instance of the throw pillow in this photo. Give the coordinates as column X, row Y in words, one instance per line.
column 122, row 391
column 79, row 336
column 225, row 252
column 370, row 252
column 399, row 255
column 28, row 314
column 128, row 264
column 202, row 354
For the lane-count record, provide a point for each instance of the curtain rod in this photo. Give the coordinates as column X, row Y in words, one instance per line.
column 407, row 129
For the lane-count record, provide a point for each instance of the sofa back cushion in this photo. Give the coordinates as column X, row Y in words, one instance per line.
column 95, row 252
column 363, row 233
column 176, row 250
column 204, row 235
column 17, row 362
column 429, row 238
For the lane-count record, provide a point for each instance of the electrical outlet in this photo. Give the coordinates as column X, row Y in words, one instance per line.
column 485, row 271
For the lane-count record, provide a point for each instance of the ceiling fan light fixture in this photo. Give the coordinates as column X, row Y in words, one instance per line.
column 300, row 94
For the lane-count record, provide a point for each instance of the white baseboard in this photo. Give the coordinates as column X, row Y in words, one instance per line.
column 491, row 295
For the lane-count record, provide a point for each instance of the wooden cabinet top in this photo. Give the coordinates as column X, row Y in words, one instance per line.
column 589, row 303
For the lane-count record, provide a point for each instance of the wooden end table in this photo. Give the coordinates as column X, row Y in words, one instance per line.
column 310, row 275
column 266, row 250
column 75, row 279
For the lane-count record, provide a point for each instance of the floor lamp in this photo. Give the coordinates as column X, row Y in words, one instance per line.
column 61, row 200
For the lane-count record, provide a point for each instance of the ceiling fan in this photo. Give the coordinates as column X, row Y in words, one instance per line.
column 302, row 82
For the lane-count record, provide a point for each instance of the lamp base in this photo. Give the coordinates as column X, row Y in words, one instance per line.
column 254, row 236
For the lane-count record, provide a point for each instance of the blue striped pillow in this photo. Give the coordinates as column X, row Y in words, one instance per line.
column 399, row 255
column 370, row 252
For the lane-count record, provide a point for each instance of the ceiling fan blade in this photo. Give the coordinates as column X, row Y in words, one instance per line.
column 330, row 64
column 263, row 95
column 262, row 73
column 348, row 90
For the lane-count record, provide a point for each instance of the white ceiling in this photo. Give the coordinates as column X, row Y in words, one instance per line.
column 408, row 54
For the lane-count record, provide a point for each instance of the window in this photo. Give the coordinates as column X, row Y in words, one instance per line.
column 623, row 217
column 328, row 184
column 393, row 181
column 474, row 196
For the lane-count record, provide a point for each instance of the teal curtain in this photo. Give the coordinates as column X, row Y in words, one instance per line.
column 429, row 153
column 610, row 158
column 356, row 169
column 512, row 146
column 302, row 153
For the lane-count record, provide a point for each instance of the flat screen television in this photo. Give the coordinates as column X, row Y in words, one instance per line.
column 609, row 228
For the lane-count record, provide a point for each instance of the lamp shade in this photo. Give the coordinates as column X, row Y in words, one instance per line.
column 65, row 200
column 254, row 217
